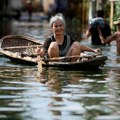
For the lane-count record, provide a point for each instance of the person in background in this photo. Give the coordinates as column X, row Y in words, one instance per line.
column 51, row 10
column 115, row 37
column 95, row 24
column 59, row 44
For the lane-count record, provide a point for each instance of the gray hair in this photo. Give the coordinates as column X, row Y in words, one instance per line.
column 55, row 18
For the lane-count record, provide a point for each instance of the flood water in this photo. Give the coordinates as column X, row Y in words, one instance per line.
column 58, row 94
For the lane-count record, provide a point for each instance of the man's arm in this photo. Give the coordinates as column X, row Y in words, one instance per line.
column 101, row 35
column 88, row 34
column 110, row 39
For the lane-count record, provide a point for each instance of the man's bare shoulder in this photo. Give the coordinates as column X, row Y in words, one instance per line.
column 117, row 35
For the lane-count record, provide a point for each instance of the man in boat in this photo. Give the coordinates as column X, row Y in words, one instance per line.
column 59, row 44
column 98, row 23
column 115, row 37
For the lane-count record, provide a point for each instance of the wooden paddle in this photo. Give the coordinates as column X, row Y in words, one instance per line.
column 39, row 64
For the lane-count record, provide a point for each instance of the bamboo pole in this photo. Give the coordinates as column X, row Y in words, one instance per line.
column 58, row 59
column 17, row 47
column 111, row 13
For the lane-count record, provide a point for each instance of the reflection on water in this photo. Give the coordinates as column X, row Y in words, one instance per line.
column 57, row 94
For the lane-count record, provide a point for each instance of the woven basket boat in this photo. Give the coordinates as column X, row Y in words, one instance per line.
column 21, row 49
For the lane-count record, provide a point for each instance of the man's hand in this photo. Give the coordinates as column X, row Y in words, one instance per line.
column 37, row 51
column 98, row 51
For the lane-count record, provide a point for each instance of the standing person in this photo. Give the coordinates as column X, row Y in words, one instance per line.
column 59, row 44
column 98, row 23
column 115, row 37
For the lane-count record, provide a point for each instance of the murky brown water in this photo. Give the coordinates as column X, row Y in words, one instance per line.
column 58, row 94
